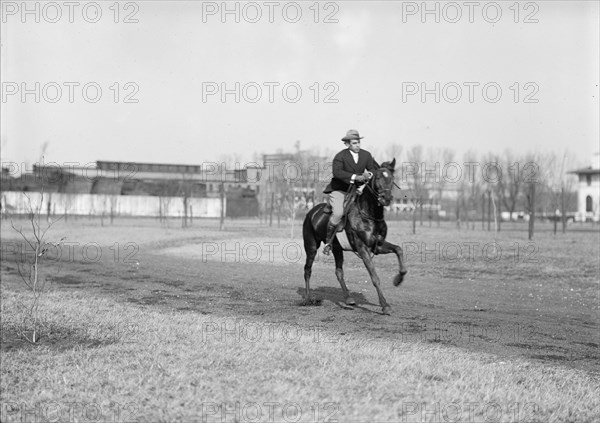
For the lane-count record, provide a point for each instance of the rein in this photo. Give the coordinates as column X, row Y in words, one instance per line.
column 376, row 195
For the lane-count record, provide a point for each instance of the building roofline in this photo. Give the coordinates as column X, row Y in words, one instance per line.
column 585, row 171
column 201, row 166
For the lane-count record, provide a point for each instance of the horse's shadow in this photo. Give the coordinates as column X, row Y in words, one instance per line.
column 336, row 296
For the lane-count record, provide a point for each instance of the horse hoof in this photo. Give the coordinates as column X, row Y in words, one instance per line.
column 399, row 278
column 387, row 310
column 310, row 301
column 350, row 301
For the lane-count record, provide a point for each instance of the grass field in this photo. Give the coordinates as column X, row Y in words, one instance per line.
column 194, row 324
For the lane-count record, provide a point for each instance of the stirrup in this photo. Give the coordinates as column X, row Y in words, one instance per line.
column 327, row 249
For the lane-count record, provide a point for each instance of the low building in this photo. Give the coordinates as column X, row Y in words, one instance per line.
column 209, row 180
column 588, row 194
column 160, row 179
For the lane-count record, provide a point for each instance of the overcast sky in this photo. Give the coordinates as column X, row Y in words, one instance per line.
column 365, row 71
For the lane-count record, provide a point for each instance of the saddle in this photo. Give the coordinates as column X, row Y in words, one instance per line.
column 353, row 193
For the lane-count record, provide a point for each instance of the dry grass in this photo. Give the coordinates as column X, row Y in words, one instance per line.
column 129, row 362
column 181, row 366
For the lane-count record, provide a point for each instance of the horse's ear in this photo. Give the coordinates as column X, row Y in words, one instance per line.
column 393, row 164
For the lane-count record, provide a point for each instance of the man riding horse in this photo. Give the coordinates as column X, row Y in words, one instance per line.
column 365, row 227
column 350, row 166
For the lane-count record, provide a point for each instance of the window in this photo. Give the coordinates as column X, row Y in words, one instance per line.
column 588, row 179
column 588, row 204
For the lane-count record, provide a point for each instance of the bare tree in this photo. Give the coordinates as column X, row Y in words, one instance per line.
column 492, row 173
column 290, row 199
column 28, row 267
column 472, row 186
column 560, row 184
column 442, row 159
column 185, row 191
column 412, row 174
column 167, row 189
column 393, row 151
column 510, row 185
column 535, row 173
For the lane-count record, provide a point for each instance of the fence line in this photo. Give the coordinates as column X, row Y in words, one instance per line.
column 103, row 204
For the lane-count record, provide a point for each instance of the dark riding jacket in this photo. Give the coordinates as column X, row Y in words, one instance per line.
column 343, row 168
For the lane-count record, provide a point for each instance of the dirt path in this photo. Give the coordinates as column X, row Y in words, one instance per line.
column 479, row 308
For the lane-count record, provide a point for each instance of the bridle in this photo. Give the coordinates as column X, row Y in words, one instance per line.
column 377, row 194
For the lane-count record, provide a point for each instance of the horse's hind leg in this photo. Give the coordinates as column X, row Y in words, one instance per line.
column 338, row 255
column 388, row 247
column 310, row 247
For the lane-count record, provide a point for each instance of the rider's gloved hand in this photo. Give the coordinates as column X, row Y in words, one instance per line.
column 360, row 178
column 367, row 175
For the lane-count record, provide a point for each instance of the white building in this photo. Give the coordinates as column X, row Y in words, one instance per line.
column 588, row 194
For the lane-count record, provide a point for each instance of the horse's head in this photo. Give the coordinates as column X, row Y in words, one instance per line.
column 383, row 182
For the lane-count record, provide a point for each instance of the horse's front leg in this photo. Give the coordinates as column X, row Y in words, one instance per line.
column 366, row 257
column 388, row 247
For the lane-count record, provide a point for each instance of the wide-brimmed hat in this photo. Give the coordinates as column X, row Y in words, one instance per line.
column 352, row 134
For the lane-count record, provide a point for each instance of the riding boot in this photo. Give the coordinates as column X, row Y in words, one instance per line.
column 331, row 229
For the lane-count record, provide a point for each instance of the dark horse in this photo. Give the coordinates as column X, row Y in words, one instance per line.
column 366, row 231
